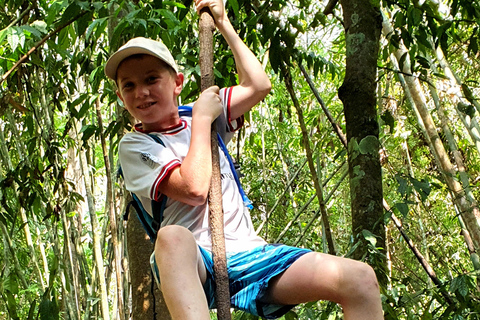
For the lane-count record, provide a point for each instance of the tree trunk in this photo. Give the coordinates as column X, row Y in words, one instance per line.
column 358, row 93
column 147, row 299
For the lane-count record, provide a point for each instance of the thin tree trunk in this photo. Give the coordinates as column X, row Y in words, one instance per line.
column 467, row 207
column 59, row 273
column 462, row 172
column 41, row 247
column 332, row 121
column 96, row 234
column 306, row 144
column 70, row 266
column 109, row 204
column 11, row 249
column 264, row 186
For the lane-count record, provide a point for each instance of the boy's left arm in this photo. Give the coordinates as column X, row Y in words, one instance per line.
column 253, row 84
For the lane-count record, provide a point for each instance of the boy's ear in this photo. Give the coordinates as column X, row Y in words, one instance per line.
column 179, row 83
column 119, row 95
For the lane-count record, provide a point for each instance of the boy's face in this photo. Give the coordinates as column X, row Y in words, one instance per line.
column 149, row 89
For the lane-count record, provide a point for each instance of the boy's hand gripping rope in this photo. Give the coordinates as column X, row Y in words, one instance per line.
column 222, row 297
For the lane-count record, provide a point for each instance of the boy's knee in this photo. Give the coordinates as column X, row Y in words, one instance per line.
column 369, row 278
column 364, row 282
column 173, row 238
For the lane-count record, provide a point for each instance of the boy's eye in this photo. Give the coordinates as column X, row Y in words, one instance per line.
column 128, row 85
column 152, row 79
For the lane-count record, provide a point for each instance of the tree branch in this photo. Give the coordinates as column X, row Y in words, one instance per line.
column 329, row 7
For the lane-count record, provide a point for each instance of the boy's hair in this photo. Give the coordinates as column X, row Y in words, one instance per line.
column 137, row 46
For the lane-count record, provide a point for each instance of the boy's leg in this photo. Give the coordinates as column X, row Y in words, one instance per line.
column 317, row 276
column 182, row 273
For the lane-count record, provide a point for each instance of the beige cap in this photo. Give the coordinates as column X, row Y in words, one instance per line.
column 139, row 45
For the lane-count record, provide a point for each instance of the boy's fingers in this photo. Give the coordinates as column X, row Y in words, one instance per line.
column 214, row 89
column 200, row 4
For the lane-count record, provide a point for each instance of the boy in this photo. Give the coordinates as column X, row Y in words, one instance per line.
column 265, row 280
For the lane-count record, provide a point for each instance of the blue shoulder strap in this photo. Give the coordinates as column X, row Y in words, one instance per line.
column 246, row 201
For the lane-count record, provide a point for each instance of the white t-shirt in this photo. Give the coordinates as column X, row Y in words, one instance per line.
column 146, row 163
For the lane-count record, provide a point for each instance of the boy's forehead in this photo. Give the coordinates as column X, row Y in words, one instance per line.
column 152, row 60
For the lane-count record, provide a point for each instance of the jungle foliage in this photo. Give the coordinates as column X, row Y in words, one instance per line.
column 63, row 250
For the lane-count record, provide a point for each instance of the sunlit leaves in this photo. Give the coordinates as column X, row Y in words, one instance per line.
column 15, row 38
column 98, row 26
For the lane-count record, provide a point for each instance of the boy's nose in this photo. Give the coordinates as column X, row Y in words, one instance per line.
column 141, row 91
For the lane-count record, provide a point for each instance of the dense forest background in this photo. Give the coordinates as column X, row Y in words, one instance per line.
column 64, row 252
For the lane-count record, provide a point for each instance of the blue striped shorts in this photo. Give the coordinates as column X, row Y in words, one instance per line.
column 249, row 273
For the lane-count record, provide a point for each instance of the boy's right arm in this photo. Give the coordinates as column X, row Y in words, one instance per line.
column 190, row 182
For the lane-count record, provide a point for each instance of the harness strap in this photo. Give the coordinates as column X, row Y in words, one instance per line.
column 157, row 210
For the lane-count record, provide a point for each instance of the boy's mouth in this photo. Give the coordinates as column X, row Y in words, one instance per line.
column 145, row 105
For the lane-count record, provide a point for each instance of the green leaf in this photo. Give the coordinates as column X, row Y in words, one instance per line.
column 72, row 11
column 459, row 285
column 88, row 131
column 94, row 79
column 82, row 23
column 402, row 185
column 467, row 109
column 369, row 145
column 3, row 34
column 235, row 7
column 32, row 31
column 402, row 208
column 423, row 36
column 11, row 305
column 40, row 26
column 31, row 311
column 291, row 315
column 370, row 237
column 275, row 54
column 473, row 45
column 13, row 38
column 170, row 18
column 10, row 283
column 174, row 4
column 415, row 16
column 423, row 188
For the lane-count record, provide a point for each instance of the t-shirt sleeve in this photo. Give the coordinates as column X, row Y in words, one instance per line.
column 225, row 125
column 145, row 163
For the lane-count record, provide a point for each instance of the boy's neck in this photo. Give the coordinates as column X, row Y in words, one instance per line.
column 140, row 127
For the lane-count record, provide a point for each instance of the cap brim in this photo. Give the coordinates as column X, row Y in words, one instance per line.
column 112, row 64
